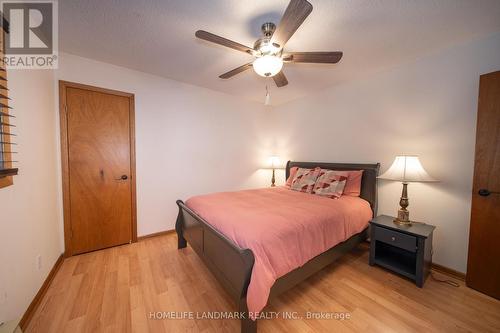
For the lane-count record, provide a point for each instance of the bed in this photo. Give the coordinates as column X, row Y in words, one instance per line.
column 232, row 264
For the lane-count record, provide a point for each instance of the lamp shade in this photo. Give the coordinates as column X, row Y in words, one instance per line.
column 407, row 169
column 274, row 162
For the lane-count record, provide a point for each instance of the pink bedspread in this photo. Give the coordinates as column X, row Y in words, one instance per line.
column 283, row 228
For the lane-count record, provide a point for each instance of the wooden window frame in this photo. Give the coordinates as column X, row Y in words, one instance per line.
column 63, row 118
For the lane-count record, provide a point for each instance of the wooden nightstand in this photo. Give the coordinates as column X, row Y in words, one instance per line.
column 404, row 249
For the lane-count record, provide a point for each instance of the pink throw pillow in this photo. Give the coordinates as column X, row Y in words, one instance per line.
column 353, row 186
column 293, row 171
column 305, row 179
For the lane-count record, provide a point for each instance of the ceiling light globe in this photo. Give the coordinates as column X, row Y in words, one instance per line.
column 268, row 65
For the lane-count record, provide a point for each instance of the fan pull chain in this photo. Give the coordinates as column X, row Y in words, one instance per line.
column 267, row 100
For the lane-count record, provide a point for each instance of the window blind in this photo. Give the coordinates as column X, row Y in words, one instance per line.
column 7, row 126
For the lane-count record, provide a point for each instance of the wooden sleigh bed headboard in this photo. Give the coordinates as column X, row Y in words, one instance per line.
column 368, row 182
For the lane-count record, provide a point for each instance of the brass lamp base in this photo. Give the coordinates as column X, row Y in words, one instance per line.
column 402, row 222
column 403, row 214
column 397, row 220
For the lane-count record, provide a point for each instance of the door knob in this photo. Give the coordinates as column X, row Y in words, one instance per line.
column 123, row 177
column 485, row 192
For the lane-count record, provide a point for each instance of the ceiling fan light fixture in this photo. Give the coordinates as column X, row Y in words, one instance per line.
column 268, row 50
column 268, row 65
column 264, row 47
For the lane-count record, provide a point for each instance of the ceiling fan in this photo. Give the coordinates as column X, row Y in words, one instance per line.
column 268, row 50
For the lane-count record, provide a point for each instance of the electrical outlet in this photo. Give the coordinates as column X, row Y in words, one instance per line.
column 39, row 262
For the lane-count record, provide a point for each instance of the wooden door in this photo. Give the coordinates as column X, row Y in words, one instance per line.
column 483, row 268
column 98, row 162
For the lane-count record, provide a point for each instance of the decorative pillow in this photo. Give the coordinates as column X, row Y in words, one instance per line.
column 293, row 171
column 330, row 184
column 305, row 179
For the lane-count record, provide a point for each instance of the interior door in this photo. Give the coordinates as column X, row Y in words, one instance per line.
column 99, row 166
column 483, row 268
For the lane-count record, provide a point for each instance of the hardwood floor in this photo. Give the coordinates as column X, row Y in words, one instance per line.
column 114, row 290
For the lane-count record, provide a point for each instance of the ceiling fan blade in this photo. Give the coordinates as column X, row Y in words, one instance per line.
column 205, row 35
column 280, row 79
column 235, row 71
column 313, row 57
column 296, row 13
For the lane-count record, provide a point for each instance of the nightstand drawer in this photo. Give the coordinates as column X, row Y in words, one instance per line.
column 397, row 239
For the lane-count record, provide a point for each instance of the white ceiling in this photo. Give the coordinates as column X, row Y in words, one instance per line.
column 157, row 36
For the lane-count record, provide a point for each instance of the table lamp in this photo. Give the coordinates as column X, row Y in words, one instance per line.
column 274, row 163
column 406, row 169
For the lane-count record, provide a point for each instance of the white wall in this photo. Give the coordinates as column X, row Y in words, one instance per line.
column 428, row 108
column 189, row 140
column 29, row 221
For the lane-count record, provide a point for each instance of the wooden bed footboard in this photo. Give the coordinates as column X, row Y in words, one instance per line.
column 230, row 265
